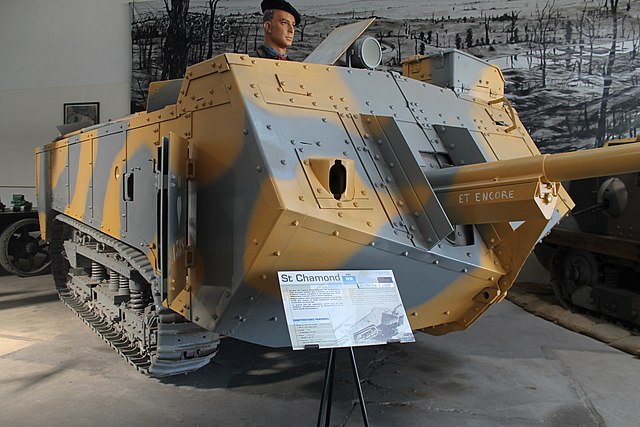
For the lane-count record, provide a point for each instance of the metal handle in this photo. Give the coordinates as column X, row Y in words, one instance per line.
column 127, row 187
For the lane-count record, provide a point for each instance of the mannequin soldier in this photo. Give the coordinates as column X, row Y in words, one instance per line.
column 279, row 21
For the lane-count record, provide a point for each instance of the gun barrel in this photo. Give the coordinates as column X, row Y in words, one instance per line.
column 547, row 167
column 523, row 188
column 591, row 163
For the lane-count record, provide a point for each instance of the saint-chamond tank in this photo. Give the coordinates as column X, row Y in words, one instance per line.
column 168, row 227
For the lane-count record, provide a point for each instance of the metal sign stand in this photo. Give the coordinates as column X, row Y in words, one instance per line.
column 327, row 392
column 342, row 309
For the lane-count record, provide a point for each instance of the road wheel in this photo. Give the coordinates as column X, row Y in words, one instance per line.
column 570, row 270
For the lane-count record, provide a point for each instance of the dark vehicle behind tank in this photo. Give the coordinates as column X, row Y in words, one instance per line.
column 594, row 255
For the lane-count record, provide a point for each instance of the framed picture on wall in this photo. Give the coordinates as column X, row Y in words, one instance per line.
column 82, row 112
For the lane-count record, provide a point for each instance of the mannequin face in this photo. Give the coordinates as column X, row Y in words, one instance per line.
column 279, row 32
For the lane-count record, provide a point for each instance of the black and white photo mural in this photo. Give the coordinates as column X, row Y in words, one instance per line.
column 572, row 68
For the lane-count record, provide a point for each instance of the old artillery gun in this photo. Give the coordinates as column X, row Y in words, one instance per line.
column 22, row 251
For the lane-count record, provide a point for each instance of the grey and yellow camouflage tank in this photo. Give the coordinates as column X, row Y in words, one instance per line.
column 168, row 227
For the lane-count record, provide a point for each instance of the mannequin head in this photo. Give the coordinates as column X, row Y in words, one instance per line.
column 279, row 29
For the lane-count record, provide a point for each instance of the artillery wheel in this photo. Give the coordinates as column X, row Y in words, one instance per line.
column 570, row 270
column 22, row 250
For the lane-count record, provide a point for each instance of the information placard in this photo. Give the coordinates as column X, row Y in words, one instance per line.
column 327, row 309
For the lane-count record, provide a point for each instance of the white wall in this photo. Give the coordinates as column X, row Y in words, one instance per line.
column 52, row 52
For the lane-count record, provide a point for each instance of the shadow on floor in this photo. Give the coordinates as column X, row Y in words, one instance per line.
column 242, row 364
column 28, row 300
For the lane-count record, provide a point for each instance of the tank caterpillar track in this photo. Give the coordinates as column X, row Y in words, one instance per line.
column 113, row 289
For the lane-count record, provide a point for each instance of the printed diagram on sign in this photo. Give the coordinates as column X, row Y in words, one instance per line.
column 379, row 325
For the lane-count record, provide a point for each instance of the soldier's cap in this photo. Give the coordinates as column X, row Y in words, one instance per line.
column 281, row 5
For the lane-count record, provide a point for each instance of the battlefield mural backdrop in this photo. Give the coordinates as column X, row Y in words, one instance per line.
column 572, row 68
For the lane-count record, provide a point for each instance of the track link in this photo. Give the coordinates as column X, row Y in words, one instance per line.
column 128, row 350
column 172, row 345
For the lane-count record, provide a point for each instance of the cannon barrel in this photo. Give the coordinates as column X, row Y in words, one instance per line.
column 549, row 168
column 524, row 188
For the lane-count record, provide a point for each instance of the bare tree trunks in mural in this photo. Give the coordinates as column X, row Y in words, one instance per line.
column 607, row 76
column 571, row 66
column 176, row 45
